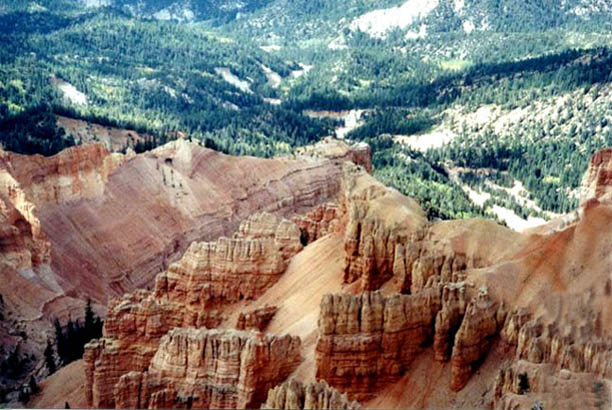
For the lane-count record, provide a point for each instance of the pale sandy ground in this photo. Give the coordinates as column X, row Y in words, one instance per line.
column 228, row 76
column 312, row 273
column 378, row 23
column 422, row 142
column 315, row 271
column 352, row 119
column 274, row 79
column 70, row 93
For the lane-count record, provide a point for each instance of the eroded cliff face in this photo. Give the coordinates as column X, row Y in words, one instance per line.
column 339, row 151
column 257, row 319
column 231, row 269
column 467, row 302
column 522, row 384
column 482, row 321
column 597, row 181
column 192, row 293
column 387, row 236
column 373, row 228
column 368, row 340
column 210, row 369
column 294, row 394
column 491, row 282
column 107, row 223
column 317, row 223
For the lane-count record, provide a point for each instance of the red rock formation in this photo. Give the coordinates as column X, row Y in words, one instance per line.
column 597, row 182
column 449, row 319
column 368, row 340
column 523, row 384
column 386, row 235
column 231, row 269
column 189, row 295
column 339, row 152
column 317, row 223
column 295, row 395
column 257, row 319
column 373, row 228
column 210, row 369
column 482, row 322
column 160, row 202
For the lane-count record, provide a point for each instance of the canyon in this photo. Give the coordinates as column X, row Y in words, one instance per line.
column 303, row 282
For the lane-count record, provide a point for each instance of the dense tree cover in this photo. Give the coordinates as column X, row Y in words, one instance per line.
column 392, row 121
column 71, row 339
column 160, row 77
column 33, row 131
column 415, row 175
column 149, row 76
column 536, row 153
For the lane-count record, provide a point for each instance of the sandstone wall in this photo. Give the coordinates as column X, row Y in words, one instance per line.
column 257, row 319
column 210, row 369
column 368, row 340
column 190, row 294
column 294, row 394
column 597, row 181
column 317, row 223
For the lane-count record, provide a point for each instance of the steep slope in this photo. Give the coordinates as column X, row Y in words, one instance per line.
column 125, row 218
column 88, row 223
column 445, row 314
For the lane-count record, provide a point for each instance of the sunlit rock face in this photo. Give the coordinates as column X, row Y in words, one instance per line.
column 204, row 368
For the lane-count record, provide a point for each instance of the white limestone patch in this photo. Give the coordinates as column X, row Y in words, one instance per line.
column 338, row 43
column 352, row 119
column 378, row 23
column 273, row 101
column 96, row 3
column 271, row 48
column 422, row 142
column 514, row 221
column 413, row 35
column 234, row 80
column 468, row 26
column 69, row 92
column 305, row 68
column 274, row 79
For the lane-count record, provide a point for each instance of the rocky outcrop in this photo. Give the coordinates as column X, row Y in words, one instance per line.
column 597, row 181
column 76, row 173
column 210, row 369
column 317, row 223
column 340, row 151
column 387, row 236
column 482, row 321
column 158, row 203
column 19, row 246
column 294, row 394
column 368, row 340
column 577, row 349
column 231, row 269
column 373, row 228
column 449, row 319
column 257, row 319
column 190, row 294
column 523, row 384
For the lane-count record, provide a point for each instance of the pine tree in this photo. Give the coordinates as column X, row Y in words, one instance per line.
column 33, row 385
column 50, row 357
column 60, row 341
column 89, row 319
